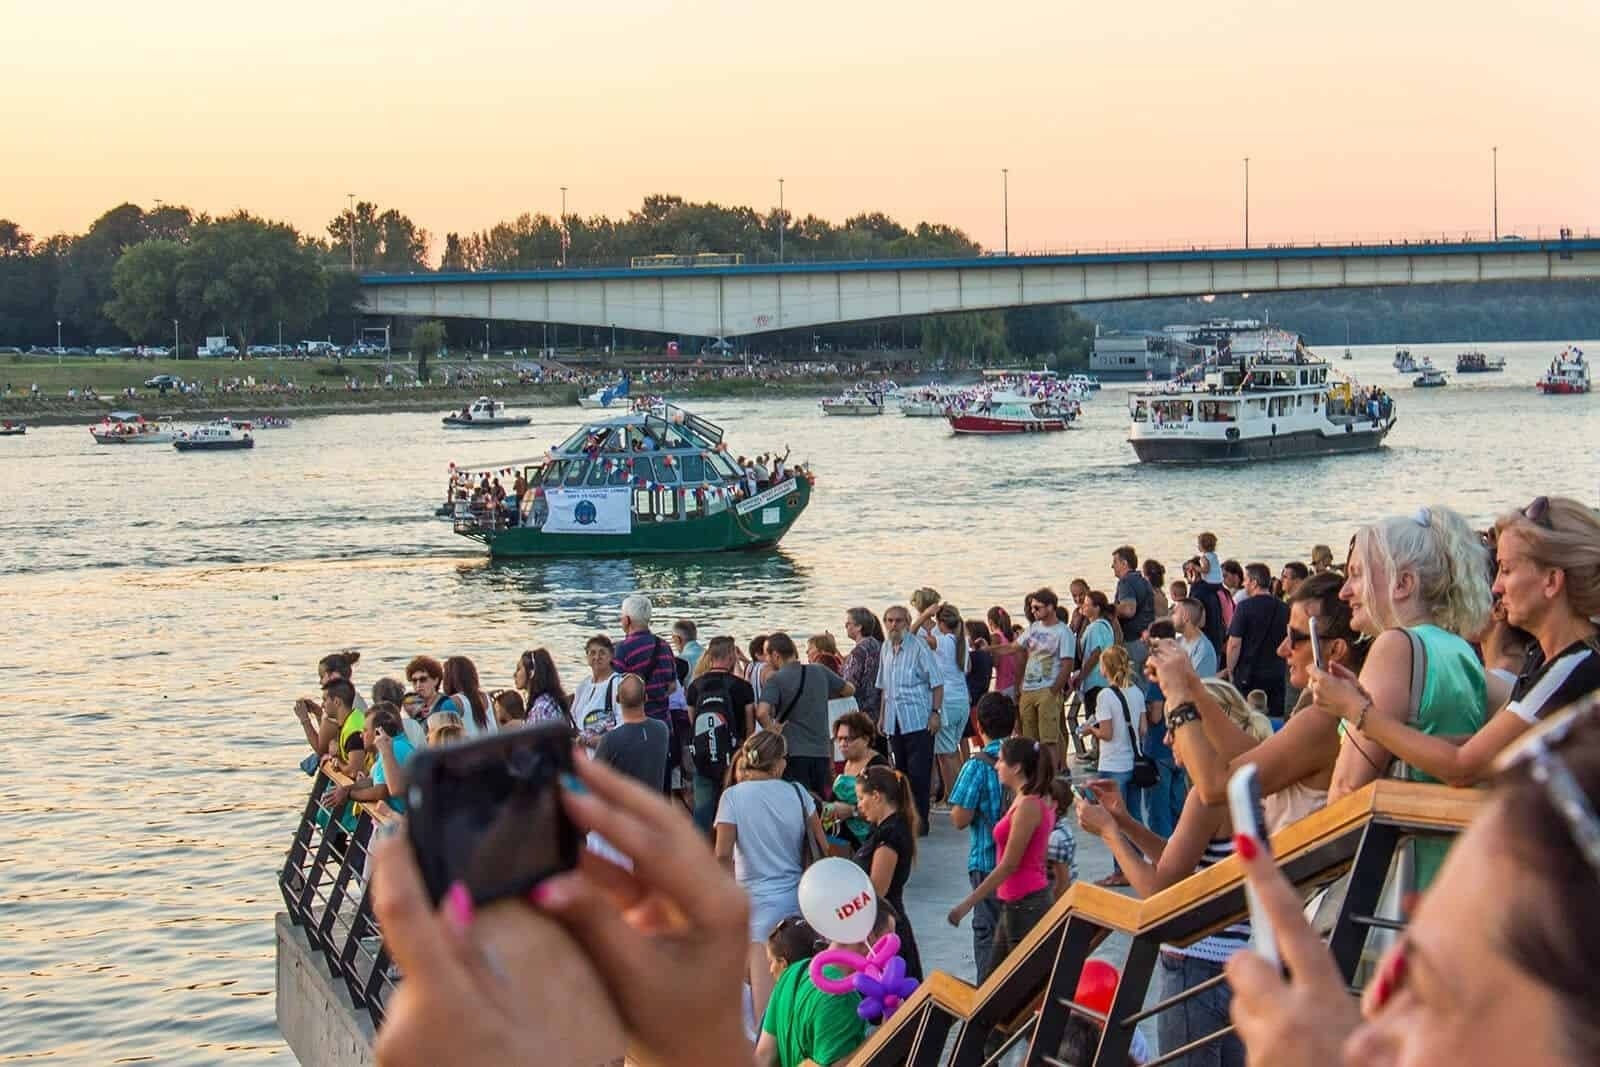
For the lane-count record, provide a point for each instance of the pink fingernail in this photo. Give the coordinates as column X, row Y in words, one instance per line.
column 544, row 894
column 458, row 907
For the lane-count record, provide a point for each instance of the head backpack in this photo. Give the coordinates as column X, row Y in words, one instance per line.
column 711, row 742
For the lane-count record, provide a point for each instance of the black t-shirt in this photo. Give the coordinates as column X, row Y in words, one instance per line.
column 1210, row 596
column 980, row 672
column 894, row 833
column 1133, row 586
column 1572, row 674
column 740, row 697
column 1260, row 623
column 637, row 749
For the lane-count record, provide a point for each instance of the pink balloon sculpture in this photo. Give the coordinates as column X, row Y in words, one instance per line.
column 879, row 976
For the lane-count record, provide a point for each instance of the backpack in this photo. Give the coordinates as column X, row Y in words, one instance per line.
column 1007, row 794
column 711, row 738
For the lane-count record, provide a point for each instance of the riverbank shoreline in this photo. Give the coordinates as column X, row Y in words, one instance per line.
column 59, row 411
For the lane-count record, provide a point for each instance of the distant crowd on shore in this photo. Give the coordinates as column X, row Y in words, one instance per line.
column 1431, row 653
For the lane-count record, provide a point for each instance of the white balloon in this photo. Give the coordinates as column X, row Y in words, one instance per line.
column 837, row 899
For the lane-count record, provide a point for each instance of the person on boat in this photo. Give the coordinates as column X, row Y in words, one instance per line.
column 1548, row 581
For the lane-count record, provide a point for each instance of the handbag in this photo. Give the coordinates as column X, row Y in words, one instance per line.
column 808, row 847
column 1145, row 771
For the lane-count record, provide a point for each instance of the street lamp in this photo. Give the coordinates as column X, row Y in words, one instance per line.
column 1247, row 201
column 486, row 340
column 1495, row 150
column 58, row 342
column 1005, row 207
column 352, row 197
column 566, row 237
column 613, row 338
column 175, row 339
column 781, row 226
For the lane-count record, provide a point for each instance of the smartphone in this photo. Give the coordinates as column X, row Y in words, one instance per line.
column 1244, row 808
column 488, row 813
column 1316, row 644
column 1086, row 794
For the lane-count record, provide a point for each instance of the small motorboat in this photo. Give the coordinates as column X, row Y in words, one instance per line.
column 12, row 429
column 274, row 422
column 855, row 402
column 928, row 402
column 1568, row 374
column 484, row 414
column 1478, row 363
column 1430, row 378
column 1083, row 384
column 217, row 436
column 604, row 398
column 131, row 428
column 1404, row 363
column 1011, row 414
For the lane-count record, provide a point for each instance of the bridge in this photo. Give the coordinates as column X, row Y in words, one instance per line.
column 731, row 301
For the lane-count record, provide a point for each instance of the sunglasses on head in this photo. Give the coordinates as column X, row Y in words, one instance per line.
column 1539, row 751
column 1538, row 512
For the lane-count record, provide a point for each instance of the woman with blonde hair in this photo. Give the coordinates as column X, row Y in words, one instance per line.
column 1547, row 579
column 1203, row 837
column 762, row 827
column 1117, row 721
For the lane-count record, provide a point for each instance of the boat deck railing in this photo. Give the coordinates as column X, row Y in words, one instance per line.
column 325, row 883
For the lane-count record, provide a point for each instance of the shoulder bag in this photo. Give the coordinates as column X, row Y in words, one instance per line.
column 808, row 847
column 1145, row 771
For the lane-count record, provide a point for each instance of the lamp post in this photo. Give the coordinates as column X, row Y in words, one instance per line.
column 781, row 226
column 486, row 340
column 352, row 197
column 1495, row 153
column 613, row 339
column 566, row 240
column 175, row 339
column 58, row 342
column 1005, row 209
column 1247, row 201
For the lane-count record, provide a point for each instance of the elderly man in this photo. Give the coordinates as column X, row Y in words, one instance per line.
column 912, row 688
column 643, row 653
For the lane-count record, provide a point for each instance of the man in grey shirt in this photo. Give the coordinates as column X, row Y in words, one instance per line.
column 638, row 745
column 794, row 702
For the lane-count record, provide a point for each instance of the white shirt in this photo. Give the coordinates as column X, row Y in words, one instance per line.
column 1047, row 647
column 1117, row 753
column 588, row 706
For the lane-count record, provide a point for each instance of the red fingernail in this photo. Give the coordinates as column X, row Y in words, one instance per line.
column 1245, row 846
column 1380, row 991
column 458, row 907
column 1396, row 973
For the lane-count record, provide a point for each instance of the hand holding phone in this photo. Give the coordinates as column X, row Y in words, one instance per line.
column 1316, row 644
column 1244, row 808
column 488, row 813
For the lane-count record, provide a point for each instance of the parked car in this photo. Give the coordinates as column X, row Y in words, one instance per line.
column 164, row 381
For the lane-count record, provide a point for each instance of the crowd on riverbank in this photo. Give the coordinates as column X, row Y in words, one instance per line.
column 1430, row 654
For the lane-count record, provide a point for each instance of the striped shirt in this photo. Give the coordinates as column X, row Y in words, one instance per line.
column 978, row 789
column 1574, row 673
column 1224, row 943
column 907, row 676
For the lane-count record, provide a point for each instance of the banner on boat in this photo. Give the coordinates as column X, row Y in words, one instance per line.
column 589, row 511
column 777, row 492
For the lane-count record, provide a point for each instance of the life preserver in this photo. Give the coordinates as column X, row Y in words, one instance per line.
column 1233, row 433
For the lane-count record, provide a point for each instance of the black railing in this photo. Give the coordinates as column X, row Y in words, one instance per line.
column 325, row 889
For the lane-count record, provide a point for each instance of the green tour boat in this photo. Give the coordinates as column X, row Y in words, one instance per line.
column 656, row 480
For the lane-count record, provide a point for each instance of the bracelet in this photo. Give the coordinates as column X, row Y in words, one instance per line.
column 1182, row 715
column 1361, row 720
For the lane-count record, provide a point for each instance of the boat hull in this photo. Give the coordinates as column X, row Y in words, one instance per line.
column 985, row 425
column 1563, row 388
column 13, row 431
column 1280, row 446
column 134, row 438
column 451, row 422
column 214, row 446
column 853, row 410
column 921, row 409
column 764, row 522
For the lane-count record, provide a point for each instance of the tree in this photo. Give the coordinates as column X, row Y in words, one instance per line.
column 248, row 274
column 455, row 254
column 427, row 341
column 145, row 287
column 971, row 334
column 13, row 241
column 388, row 242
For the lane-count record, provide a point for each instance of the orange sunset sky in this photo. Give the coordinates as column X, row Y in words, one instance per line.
column 1120, row 123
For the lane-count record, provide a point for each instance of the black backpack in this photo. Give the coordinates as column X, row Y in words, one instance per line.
column 711, row 737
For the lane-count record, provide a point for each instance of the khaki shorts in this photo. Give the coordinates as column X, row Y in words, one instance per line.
column 1040, row 715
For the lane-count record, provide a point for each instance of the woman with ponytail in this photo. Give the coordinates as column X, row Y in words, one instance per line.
column 1021, row 879
column 883, row 797
column 950, row 650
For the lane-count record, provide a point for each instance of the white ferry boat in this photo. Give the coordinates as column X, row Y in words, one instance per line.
column 854, row 402
column 1568, row 373
column 219, row 436
column 484, row 414
column 1266, row 397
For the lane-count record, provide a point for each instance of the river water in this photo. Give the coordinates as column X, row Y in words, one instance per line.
column 161, row 612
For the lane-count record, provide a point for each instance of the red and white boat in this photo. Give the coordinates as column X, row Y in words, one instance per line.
column 131, row 428
column 1568, row 373
column 1001, row 415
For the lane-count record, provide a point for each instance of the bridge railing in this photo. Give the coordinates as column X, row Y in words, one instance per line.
column 324, row 882
column 1028, row 1001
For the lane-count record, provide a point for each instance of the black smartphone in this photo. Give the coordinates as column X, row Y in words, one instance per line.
column 1316, row 644
column 488, row 813
column 1086, row 794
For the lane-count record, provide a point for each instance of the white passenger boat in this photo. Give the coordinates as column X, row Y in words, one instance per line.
column 219, row 436
column 924, row 402
column 484, row 414
column 131, row 428
column 1404, row 363
column 1265, row 397
column 1430, row 378
column 855, row 402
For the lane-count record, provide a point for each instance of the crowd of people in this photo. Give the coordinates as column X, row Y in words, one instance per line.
column 1431, row 653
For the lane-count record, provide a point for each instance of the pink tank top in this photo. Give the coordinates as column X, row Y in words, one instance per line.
column 1031, row 876
column 1005, row 667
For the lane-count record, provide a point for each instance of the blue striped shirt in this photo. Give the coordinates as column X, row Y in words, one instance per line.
column 907, row 675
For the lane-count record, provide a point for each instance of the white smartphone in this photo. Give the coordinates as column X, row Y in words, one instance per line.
column 1244, row 808
column 1316, row 644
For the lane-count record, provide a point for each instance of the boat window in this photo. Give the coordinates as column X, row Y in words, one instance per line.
column 691, row 502
column 665, row 474
column 576, row 471
column 641, row 503
column 553, row 472
column 619, row 474
column 666, row 502
column 597, row 473
column 693, row 468
column 723, row 465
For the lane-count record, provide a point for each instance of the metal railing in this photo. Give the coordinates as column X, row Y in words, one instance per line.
column 325, row 890
column 1028, row 1002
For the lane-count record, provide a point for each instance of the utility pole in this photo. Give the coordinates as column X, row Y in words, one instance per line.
column 1247, row 201
column 1495, row 150
column 781, row 226
column 1005, row 208
column 566, row 239
column 352, row 197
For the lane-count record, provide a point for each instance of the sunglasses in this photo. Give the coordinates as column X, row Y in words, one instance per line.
column 845, row 739
column 1538, row 512
column 1539, row 752
column 418, row 679
column 1297, row 637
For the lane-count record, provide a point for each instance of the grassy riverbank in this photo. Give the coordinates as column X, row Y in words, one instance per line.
column 320, row 388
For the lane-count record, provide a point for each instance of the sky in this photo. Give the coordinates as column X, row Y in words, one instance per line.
column 1120, row 124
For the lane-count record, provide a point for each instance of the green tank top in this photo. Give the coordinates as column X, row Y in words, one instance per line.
column 1452, row 705
column 353, row 724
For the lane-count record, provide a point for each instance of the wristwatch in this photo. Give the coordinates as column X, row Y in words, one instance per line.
column 1181, row 715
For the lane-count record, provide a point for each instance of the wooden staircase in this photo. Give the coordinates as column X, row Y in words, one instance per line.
column 1028, row 999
